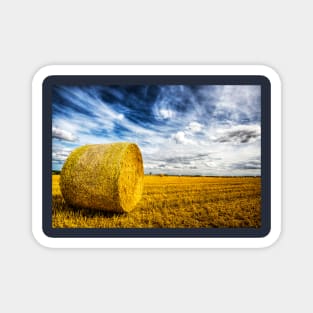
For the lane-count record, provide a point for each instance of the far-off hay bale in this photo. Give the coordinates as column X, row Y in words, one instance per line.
column 103, row 176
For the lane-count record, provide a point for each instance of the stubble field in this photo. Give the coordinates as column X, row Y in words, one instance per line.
column 173, row 202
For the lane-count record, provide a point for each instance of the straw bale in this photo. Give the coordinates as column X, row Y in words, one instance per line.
column 103, row 176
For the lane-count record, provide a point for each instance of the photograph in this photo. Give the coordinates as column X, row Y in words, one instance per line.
column 161, row 156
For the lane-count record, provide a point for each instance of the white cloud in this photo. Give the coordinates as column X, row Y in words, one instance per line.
column 166, row 113
column 210, row 164
column 60, row 154
column 62, row 134
column 120, row 117
column 180, row 138
column 195, row 127
column 238, row 102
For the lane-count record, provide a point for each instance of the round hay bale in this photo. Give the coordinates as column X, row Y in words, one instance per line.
column 103, row 176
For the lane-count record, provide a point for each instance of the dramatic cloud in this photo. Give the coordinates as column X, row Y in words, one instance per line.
column 240, row 134
column 181, row 129
column 248, row 165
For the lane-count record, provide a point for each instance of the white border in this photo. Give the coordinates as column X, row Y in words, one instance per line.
column 156, row 70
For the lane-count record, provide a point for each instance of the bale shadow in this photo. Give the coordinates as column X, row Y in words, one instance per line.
column 59, row 204
column 96, row 212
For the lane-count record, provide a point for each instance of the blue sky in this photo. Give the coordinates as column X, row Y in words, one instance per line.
column 180, row 129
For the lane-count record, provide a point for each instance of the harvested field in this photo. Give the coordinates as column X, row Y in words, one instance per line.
column 173, row 202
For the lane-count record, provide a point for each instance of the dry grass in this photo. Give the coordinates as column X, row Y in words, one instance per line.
column 105, row 177
column 174, row 202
